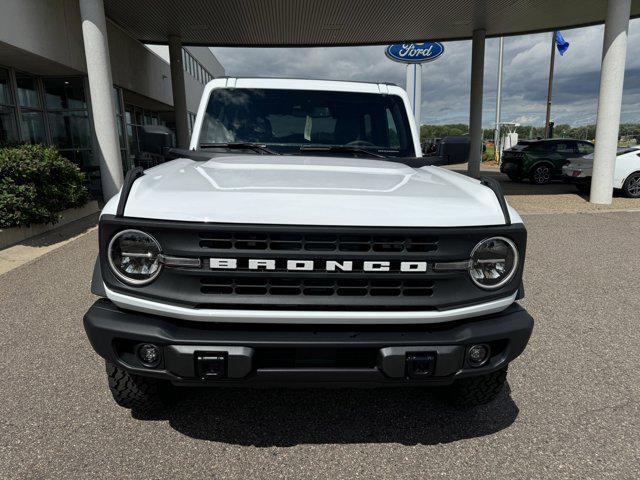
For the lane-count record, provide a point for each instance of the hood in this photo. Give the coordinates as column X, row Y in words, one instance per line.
column 299, row 190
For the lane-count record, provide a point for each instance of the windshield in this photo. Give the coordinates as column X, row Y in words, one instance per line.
column 288, row 120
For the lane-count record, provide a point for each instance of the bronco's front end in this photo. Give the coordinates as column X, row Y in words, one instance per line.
column 297, row 244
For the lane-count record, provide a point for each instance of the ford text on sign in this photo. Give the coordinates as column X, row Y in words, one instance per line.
column 415, row 52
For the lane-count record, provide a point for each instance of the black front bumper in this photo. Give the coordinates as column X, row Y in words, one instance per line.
column 306, row 355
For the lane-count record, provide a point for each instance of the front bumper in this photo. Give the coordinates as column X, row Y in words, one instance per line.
column 348, row 355
column 511, row 168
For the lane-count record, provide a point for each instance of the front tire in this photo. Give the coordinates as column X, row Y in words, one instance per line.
column 475, row 391
column 135, row 392
column 631, row 187
column 541, row 174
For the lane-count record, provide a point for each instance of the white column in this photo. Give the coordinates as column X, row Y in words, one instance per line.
column 96, row 48
column 178, row 90
column 614, row 54
column 414, row 89
column 475, row 107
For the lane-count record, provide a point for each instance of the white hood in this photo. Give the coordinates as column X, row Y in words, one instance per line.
column 297, row 190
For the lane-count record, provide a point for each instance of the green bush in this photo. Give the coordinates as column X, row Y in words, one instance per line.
column 36, row 184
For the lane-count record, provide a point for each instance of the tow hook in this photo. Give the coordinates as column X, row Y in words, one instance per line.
column 211, row 366
column 420, row 364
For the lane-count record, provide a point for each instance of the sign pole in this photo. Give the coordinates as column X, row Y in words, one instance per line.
column 414, row 55
column 414, row 89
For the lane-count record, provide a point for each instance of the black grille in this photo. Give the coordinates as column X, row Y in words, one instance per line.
column 352, row 286
column 323, row 287
column 317, row 242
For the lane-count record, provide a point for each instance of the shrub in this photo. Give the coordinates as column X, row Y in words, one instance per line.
column 36, row 184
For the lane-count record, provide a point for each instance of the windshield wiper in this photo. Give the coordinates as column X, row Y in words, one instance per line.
column 256, row 147
column 341, row 149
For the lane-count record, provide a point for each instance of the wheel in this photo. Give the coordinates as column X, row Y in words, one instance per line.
column 631, row 187
column 514, row 178
column 135, row 392
column 541, row 174
column 474, row 391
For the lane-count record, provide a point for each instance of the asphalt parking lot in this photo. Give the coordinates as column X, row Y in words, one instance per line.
column 573, row 410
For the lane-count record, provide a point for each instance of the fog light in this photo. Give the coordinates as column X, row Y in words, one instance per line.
column 149, row 355
column 478, row 355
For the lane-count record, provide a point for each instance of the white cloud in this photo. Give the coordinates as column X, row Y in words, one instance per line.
column 445, row 87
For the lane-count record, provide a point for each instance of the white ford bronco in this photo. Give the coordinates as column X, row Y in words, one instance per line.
column 303, row 240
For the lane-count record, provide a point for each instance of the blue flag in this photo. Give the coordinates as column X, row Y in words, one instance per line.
column 561, row 43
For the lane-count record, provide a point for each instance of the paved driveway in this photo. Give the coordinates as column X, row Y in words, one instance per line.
column 573, row 411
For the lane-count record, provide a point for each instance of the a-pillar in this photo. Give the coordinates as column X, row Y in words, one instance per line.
column 178, row 90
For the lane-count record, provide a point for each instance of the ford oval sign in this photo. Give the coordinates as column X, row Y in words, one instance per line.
column 415, row 52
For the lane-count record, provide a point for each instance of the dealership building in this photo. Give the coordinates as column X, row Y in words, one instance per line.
column 44, row 88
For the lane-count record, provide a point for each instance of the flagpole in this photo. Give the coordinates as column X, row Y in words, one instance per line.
column 550, row 88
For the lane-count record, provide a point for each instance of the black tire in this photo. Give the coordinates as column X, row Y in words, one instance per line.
column 514, row 178
column 135, row 392
column 474, row 391
column 541, row 174
column 631, row 186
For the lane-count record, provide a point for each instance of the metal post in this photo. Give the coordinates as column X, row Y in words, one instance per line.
column 414, row 89
column 552, row 64
column 96, row 48
column 497, row 151
column 614, row 54
column 178, row 90
column 475, row 108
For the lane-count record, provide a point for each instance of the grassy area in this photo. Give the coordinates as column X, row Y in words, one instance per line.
column 489, row 155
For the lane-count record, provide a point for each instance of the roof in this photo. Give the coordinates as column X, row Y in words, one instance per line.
column 345, row 22
column 306, row 84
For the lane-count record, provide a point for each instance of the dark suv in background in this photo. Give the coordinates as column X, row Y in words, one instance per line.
column 541, row 160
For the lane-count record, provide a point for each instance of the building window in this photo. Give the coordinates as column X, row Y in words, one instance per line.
column 27, row 91
column 65, row 94
column 138, row 137
column 68, row 119
column 31, row 118
column 8, row 127
column 120, row 123
column 195, row 69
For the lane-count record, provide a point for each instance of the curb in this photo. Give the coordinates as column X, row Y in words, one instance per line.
column 11, row 236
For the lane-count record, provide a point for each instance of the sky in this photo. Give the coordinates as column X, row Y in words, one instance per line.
column 446, row 81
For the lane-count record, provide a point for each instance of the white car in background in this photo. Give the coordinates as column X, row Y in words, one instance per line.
column 626, row 176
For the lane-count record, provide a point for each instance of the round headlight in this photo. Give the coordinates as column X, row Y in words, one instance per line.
column 494, row 261
column 134, row 257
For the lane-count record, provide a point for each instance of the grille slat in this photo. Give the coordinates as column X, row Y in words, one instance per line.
column 283, row 242
column 315, row 287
